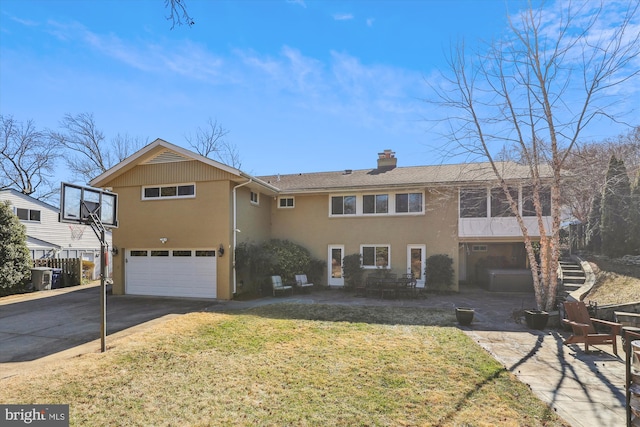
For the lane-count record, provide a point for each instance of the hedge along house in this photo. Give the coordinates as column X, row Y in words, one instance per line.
column 181, row 216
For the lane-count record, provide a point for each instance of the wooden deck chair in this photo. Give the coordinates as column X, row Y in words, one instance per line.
column 583, row 329
column 278, row 286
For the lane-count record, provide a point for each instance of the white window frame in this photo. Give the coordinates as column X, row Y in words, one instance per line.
column 375, row 204
column 29, row 214
column 409, row 211
column 177, row 196
column 376, row 246
column 331, row 214
column 286, row 199
column 254, row 197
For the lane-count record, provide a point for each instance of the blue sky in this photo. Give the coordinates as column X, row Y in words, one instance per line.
column 301, row 86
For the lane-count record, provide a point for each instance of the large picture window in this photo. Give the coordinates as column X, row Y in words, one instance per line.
column 375, row 204
column 375, row 256
column 343, row 205
column 473, row 203
column 169, row 191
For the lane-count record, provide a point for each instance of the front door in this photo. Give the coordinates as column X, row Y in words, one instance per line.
column 416, row 260
column 335, row 275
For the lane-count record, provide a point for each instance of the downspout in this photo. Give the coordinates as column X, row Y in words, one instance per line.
column 235, row 232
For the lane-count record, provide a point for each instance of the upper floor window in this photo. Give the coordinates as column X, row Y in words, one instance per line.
column 408, row 202
column 343, row 205
column 28, row 214
column 255, row 198
column 473, row 203
column 528, row 208
column 169, row 191
column 286, row 202
column 500, row 206
column 375, row 204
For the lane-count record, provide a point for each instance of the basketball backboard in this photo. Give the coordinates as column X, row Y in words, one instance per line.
column 77, row 203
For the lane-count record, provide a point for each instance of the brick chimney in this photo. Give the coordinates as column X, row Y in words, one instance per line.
column 387, row 160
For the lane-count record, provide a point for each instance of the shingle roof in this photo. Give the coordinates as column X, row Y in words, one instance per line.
column 413, row 176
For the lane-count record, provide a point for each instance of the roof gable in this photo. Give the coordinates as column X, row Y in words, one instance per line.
column 11, row 195
column 159, row 151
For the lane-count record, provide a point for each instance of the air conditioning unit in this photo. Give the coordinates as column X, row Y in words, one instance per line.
column 41, row 278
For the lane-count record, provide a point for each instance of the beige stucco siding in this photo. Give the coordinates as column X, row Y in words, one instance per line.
column 310, row 225
column 254, row 220
column 169, row 173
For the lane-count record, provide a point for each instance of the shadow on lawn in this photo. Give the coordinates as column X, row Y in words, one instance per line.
column 384, row 315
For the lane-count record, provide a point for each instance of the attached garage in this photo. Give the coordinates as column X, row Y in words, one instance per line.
column 172, row 273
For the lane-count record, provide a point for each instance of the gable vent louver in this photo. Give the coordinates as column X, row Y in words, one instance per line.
column 166, row 157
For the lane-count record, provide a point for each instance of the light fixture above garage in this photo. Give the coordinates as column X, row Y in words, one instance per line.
column 163, row 240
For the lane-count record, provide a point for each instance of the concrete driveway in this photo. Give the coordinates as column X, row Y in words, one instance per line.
column 37, row 325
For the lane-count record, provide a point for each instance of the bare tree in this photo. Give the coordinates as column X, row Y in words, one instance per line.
column 27, row 158
column 536, row 91
column 178, row 13
column 90, row 153
column 210, row 142
column 586, row 167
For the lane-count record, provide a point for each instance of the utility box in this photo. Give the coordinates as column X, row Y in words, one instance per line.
column 41, row 278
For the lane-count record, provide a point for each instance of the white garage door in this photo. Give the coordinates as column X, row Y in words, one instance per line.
column 173, row 273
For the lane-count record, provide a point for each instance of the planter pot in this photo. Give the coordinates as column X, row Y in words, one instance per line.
column 464, row 315
column 536, row 319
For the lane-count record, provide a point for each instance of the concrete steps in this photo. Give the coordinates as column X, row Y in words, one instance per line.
column 572, row 276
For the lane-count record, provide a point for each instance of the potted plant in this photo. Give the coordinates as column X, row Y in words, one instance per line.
column 536, row 319
column 464, row 315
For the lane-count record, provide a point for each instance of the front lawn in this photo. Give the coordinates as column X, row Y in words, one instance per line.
column 290, row 364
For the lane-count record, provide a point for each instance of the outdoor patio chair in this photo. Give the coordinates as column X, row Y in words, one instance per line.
column 302, row 282
column 278, row 286
column 583, row 327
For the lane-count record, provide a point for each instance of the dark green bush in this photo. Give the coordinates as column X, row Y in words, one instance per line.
column 15, row 261
column 439, row 272
column 353, row 271
column 256, row 262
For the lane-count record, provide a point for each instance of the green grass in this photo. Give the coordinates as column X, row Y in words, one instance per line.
column 290, row 364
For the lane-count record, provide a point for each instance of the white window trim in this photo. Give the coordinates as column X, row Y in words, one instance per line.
column 376, row 245
column 190, row 196
column 391, row 204
column 257, row 200
column 293, row 199
column 358, row 205
column 375, row 204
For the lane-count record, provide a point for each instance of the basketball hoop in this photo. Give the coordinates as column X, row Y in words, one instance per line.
column 76, row 232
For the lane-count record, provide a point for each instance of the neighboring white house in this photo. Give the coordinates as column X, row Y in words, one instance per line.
column 49, row 238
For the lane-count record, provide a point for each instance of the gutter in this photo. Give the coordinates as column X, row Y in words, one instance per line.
column 235, row 231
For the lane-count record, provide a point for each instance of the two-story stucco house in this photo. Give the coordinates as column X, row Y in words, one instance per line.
column 181, row 216
column 49, row 238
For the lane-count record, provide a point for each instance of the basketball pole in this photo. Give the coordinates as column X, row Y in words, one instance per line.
column 103, row 292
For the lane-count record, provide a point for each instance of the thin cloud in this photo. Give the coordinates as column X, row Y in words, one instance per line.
column 342, row 16
column 370, row 22
column 298, row 2
column 21, row 21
